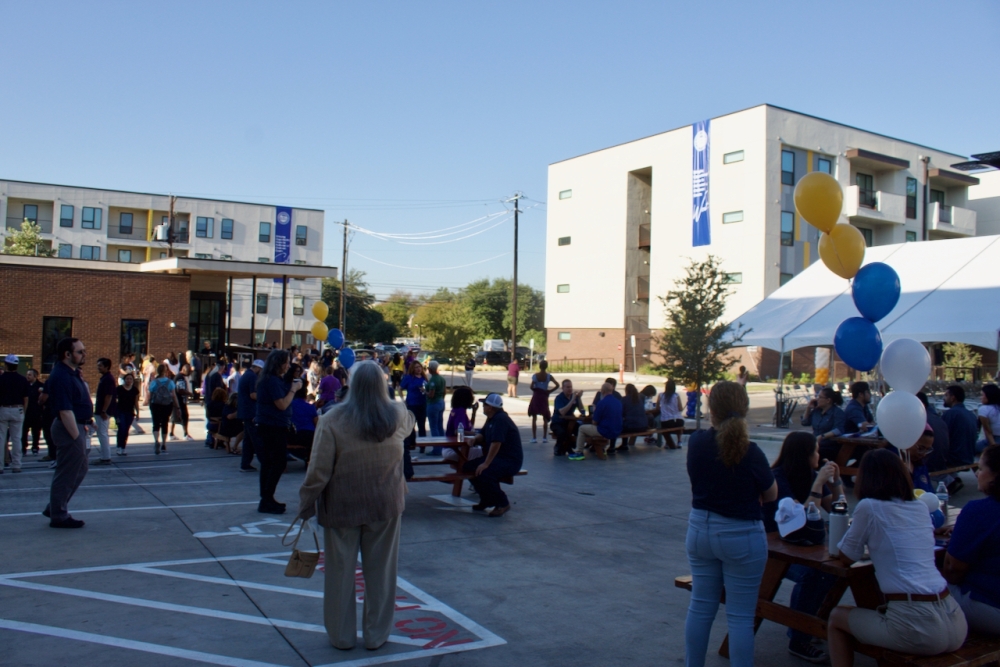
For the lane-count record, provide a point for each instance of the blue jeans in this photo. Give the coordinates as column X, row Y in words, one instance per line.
column 723, row 552
column 435, row 418
column 811, row 587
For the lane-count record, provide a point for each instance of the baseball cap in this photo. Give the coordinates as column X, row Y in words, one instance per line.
column 258, row 363
column 492, row 400
column 433, row 365
column 790, row 516
column 11, row 359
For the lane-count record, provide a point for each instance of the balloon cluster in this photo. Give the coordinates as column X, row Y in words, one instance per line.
column 875, row 289
column 333, row 337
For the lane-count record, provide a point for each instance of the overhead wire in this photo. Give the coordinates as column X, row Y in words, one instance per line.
column 431, row 268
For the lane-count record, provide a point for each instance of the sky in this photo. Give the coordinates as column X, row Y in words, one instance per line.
column 414, row 117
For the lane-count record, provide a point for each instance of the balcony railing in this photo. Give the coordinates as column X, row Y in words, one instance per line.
column 644, row 234
column 866, row 198
column 14, row 222
column 951, row 220
column 874, row 206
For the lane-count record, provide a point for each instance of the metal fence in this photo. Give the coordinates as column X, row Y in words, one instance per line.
column 591, row 365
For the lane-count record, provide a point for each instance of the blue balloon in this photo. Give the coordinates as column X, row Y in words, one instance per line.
column 937, row 518
column 335, row 338
column 859, row 343
column 346, row 357
column 875, row 290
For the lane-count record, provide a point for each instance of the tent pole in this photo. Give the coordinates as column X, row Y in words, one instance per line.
column 781, row 364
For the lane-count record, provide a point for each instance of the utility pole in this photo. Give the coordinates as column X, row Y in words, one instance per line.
column 513, row 302
column 343, row 286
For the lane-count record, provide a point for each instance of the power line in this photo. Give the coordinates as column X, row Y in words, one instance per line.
column 430, row 268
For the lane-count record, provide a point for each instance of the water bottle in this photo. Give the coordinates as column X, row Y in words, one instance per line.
column 461, row 433
column 942, row 495
column 838, row 524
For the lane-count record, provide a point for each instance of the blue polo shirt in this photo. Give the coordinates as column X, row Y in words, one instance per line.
column 854, row 414
column 976, row 542
column 271, row 388
column 246, row 407
column 732, row 492
column 608, row 417
column 561, row 402
column 68, row 391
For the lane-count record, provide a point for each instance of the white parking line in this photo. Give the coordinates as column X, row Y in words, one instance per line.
column 50, row 471
column 135, row 509
column 227, row 582
column 114, row 486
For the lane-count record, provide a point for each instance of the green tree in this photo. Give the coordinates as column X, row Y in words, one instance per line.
column 489, row 306
column 364, row 322
column 447, row 330
column 28, row 241
column 397, row 310
column 527, row 335
column 959, row 360
column 696, row 341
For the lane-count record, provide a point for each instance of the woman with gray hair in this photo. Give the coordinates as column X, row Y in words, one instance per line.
column 355, row 476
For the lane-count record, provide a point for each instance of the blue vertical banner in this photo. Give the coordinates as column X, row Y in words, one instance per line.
column 282, row 235
column 701, row 228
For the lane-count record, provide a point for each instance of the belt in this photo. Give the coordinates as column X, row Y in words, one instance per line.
column 917, row 597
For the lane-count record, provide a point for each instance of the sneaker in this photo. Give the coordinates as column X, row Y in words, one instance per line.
column 545, row 441
column 101, row 462
column 46, row 458
column 46, row 514
column 480, row 507
column 534, row 441
column 123, row 452
column 575, row 456
column 118, row 451
column 250, row 469
column 174, row 437
column 68, row 522
column 500, row 511
column 808, row 652
column 188, row 437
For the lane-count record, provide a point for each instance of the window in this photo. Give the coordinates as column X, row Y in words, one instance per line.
column 125, row 223
column 566, row 194
column 65, row 251
column 787, row 228
column 562, row 289
column 824, row 165
column 936, row 196
column 866, row 189
column 732, row 216
column 258, row 338
column 204, row 227
column 735, row 156
column 265, row 232
column 91, row 218
column 133, row 337
column 204, row 322
column 565, row 240
column 564, row 335
column 125, row 256
column 54, row 329
column 31, row 213
column 300, row 262
column 787, row 168
column 225, row 257
column 262, row 304
column 227, row 229
column 734, row 278
column 66, row 215
column 911, row 198
column 90, row 252
column 911, row 236
column 867, row 233
column 263, row 259
column 784, row 278
column 202, row 255
column 301, row 234
column 298, row 305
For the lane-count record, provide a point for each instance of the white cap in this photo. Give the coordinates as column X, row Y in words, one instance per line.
column 790, row 516
column 258, row 363
column 492, row 400
column 433, row 365
column 11, row 359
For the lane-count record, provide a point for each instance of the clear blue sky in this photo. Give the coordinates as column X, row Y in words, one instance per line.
column 405, row 117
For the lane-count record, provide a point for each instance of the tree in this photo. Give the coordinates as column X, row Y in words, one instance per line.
column 959, row 361
column 447, row 330
column 397, row 310
column 28, row 241
column 696, row 341
column 364, row 322
column 527, row 335
column 489, row 306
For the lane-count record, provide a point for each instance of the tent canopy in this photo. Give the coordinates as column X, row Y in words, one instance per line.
column 950, row 293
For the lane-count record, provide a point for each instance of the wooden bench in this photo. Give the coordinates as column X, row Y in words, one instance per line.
column 957, row 469
column 601, row 441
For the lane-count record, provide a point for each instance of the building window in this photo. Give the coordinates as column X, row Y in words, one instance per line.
column 125, row 256
column 202, row 255
column 867, row 233
column 227, row 229
column 125, row 223
column 564, row 335
column 866, row 189
column 92, row 218
column 911, row 236
column 566, row 194
column 90, row 252
column 787, row 228
column 262, row 304
column 298, row 305
column 204, row 322
column 911, row 198
column 30, row 213
column 226, row 257
column 562, row 289
column 784, row 278
column 54, row 329
column 258, row 338
column 301, row 234
column 133, row 337
column 824, row 165
column 732, row 216
column 734, row 278
column 565, row 240
column 937, row 196
column 66, row 215
column 204, row 227
column 787, row 168
column 300, row 262
column 264, row 260
column 265, row 232
column 735, row 156
column 65, row 251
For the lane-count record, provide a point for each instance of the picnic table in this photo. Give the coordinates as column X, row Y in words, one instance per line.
column 461, row 448
column 848, row 445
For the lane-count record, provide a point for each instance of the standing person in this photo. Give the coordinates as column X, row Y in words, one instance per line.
column 564, row 417
column 396, row 369
column 743, row 377
column 274, row 417
column 726, row 544
column 314, row 376
column 48, row 416
column 513, row 372
column 436, row 390
column 989, row 415
column 196, row 370
column 470, row 368
column 246, row 409
column 355, row 478
column 162, row 401
column 105, row 407
column 214, row 380
column 671, row 412
column 962, row 428
column 173, row 365
column 501, row 441
column 920, row 616
column 128, row 410
column 13, row 405
column 69, row 397
column 542, row 385
column 416, row 398
column 33, row 414
column 183, row 386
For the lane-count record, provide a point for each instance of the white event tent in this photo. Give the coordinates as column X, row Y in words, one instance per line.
column 950, row 294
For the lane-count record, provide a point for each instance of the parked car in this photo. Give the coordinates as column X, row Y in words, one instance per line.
column 426, row 356
column 386, row 348
column 484, row 358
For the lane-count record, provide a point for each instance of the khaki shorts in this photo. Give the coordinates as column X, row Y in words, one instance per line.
column 922, row 628
column 511, row 379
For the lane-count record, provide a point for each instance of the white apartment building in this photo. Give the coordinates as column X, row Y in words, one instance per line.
column 622, row 228
column 115, row 226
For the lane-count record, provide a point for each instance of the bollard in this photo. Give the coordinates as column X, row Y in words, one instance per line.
column 621, row 373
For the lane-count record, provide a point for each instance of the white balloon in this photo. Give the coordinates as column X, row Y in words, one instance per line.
column 901, row 419
column 932, row 501
column 906, row 365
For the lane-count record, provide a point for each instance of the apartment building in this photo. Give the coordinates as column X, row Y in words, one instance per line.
column 624, row 222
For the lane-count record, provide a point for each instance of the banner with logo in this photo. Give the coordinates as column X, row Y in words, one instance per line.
column 701, row 231
column 283, row 235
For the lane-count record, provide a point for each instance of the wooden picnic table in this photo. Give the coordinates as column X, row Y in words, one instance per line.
column 461, row 449
column 847, row 448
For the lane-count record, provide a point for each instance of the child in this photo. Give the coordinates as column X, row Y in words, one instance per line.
column 461, row 400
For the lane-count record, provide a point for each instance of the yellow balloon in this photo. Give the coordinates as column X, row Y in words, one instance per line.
column 842, row 250
column 319, row 331
column 320, row 310
column 819, row 199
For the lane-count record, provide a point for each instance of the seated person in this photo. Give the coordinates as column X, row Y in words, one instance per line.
column 564, row 417
column 304, row 418
column 633, row 415
column 501, row 441
column 962, row 429
column 918, row 454
column 799, row 476
column 230, row 425
column 937, row 458
column 827, row 419
column 328, row 388
column 462, row 399
column 213, row 411
column 857, row 414
column 607, row 423
column 972, row 565
column 921, row 616
column 989, row 416
column 669, row 403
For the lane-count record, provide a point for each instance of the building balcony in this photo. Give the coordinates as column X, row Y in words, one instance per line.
column 644, row 234
column 14, row 222
column 642, row 288
column 874, row 206
column 950, row 221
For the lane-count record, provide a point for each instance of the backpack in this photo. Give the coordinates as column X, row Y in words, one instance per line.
column 161, row 394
